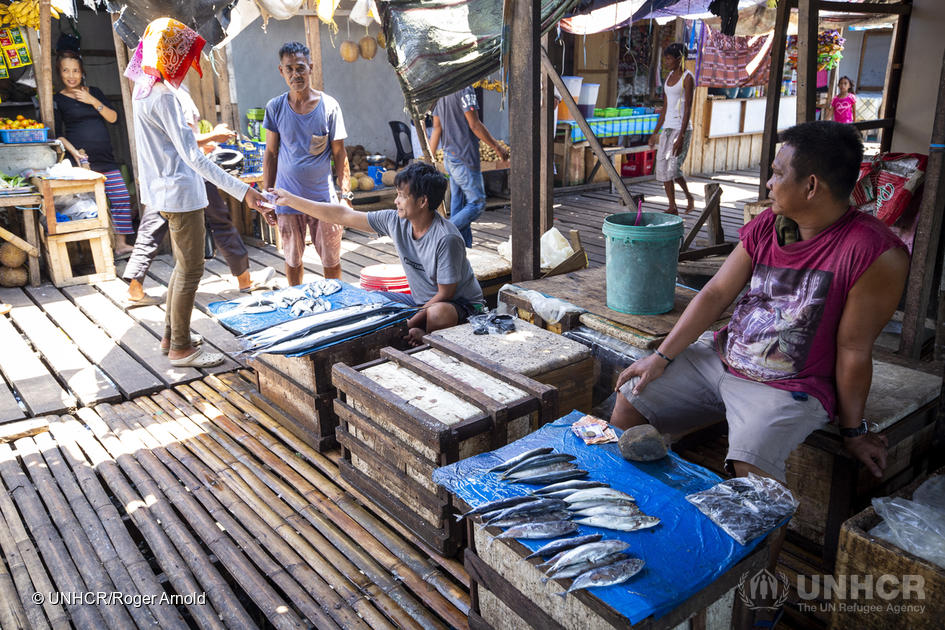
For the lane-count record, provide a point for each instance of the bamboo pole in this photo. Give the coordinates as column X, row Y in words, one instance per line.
column 154, row 480
column 144, row 516
column 55, row 556
column 12, row 614
column 267, row 417
column 84, row 551
column 19, row 577
column 311, row 484
column 234, row 514
column 296, row 510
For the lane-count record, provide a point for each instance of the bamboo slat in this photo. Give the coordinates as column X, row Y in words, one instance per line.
column 12, row 614
column 20, row 582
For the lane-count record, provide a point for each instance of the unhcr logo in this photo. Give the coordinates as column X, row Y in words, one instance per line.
column 764, row 590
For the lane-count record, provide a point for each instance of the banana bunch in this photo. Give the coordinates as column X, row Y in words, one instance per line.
column 24, row 13
column 204, row 126
column 486, row 84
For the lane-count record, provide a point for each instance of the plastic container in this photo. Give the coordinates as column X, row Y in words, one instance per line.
column 23, row 136
column 611, row 112
column 625, row 111
column 254, row 128
column 376, row 173
column 574, row 87
column 384, row 278
column 598, row 113
column 588, row 99
column 641, row 262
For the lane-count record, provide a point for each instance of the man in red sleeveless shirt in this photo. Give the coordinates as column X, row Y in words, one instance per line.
column 824, row 280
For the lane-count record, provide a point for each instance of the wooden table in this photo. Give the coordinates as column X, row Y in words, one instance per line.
column 30, row 204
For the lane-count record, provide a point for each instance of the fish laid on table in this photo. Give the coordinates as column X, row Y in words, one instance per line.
column 498, row 504
column 544, row 529
column 541, row 470
column 351, row 327
column 522, row 519
column 533, row 507
column 573, row 570
column 512, row 461
column 570, row 487
column 540, row 461
column 586, row 505
column 620, row 523
column 586, row 553
column 554, row 477
column 609, row 510
column 322, row 287
column 609, row 575
column 307, row 306
column 595, row 494
column 558, row 546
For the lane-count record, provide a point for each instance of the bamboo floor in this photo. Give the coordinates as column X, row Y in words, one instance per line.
column 194, row 507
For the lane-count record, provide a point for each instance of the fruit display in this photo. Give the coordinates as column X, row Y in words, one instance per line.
column 24, row 13
column 381, row 40
column 12, row 270
column 486, row 153
column 388, row 178
column 364, row 182
column 204, row 126
column 20, row 122
column 491, row 85
column 350, row 51
column 354, row 183
column 368, row 47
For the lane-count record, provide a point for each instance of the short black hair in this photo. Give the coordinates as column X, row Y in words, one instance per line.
column 830, row 150
column 294, row 48
column 676, row 50
column 423, row 180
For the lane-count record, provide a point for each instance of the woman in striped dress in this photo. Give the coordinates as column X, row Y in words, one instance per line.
column 81, row 114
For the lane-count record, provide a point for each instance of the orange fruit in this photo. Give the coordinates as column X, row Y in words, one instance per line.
column 20, row 117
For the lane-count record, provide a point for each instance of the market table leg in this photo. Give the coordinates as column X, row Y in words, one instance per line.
column 32, row 237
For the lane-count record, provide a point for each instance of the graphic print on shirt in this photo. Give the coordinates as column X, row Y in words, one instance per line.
column 773, row 325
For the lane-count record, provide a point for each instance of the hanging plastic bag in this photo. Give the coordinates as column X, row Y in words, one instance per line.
column 887, row 184
column 278, row 9
column 364, row 12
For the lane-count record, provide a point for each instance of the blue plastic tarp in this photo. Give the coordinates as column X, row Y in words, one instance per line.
column 684, row 553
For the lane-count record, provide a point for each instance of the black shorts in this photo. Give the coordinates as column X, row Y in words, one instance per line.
column 464, row 308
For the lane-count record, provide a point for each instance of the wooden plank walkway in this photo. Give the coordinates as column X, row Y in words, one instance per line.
column 200, row 493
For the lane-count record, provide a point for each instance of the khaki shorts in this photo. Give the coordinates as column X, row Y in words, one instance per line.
column 326, row 237
column 669, row 167
column 764, row 423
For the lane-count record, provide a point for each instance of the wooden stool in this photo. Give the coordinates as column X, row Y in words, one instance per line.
column 59, row 263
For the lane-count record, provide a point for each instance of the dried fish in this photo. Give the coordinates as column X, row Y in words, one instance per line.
column 609, row 575
column 563, row 545
column 571, row 486
column 623, row 524
column 541, row 480
column 512, row 461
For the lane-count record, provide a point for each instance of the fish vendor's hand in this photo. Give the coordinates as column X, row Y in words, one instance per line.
column 415, row 336
column 283, row 197
column 647, row 368
column 869, row 449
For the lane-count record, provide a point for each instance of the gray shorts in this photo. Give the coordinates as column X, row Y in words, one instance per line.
column 764, row 423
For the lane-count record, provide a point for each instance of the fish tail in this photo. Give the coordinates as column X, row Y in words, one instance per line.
column 562, row 594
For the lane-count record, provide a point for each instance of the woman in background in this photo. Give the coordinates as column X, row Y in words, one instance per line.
column 674, row 127
column 81, row 114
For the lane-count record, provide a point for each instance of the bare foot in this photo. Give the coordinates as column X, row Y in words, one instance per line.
column 672, row 210
column 690, row 204
column 135, row 290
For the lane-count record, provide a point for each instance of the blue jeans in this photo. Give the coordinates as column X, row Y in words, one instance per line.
column 467, row 195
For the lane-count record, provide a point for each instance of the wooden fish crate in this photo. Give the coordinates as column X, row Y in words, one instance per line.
column 539, row 354
column 863, row 555
column 301, row 386
column 507, row 592
column 409, row 413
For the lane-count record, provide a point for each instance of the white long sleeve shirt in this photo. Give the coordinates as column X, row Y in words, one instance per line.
column 171, row 167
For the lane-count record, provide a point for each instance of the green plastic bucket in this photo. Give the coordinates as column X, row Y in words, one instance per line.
column 641, row 261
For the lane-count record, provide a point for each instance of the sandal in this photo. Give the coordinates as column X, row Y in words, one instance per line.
column 5, row 308
column 199, row 359
column 195, row 340
column 146, row 300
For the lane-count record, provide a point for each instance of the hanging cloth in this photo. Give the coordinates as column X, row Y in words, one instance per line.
column 167, row 50
column 730, row 61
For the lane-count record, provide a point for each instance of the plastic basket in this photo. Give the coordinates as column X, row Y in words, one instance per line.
column 252, row 158
column 23, row 136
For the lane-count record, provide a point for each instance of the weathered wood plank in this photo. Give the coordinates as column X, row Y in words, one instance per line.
column 25, row 428
column 9, row 407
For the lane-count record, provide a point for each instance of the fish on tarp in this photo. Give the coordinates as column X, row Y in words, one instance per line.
column 540, row 461
column 522, row 519
column 498, row 504
column 615, row 573
column 558, row 546
column 532, row 507
column 298, row 327
column 521, row 457
column 541, row 470
column 595, row 494
column 579, row 568
column 327, row 336
column 585, row 505
column 609, row 510
column 586, row 553
column 319, row 288
column 542, row 529
column 570, row 486
column 554, row 477
column 307, row 306
column 620, row 523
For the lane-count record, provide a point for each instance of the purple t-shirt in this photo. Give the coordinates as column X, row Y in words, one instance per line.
column 783, row 331
column 843, row 108
column 304, row 166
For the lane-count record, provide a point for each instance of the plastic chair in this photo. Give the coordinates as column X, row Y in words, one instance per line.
column 397, row 128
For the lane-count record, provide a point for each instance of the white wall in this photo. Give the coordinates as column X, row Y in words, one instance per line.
column 920, row 77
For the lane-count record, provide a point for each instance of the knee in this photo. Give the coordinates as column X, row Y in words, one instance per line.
column 625, row 415
column 441, row 315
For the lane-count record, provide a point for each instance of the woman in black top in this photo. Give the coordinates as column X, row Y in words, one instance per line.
column 81, row 114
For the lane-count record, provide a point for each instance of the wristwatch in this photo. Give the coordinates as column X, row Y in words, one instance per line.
column 100, row 107
column 347, row 196
column 861, row 430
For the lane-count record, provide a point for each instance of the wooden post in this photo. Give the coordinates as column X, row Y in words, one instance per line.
column 226, row 90
column 313, row 41
column 655, row 53
column 121, row 59
column 592, row 140
column 806, row 60
column 927, row 236
column 546, row 161
column 897, row 53
column 769, row 142
column 44, row 67
column 525, row 172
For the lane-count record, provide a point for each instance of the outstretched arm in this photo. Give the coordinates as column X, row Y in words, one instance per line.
column 339, row 214
column 483, row 134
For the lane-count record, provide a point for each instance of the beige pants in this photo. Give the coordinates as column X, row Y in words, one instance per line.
column 187, row 242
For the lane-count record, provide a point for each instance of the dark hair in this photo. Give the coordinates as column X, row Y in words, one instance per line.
column 69, row 54
column 830, row 150
column 676, row 50
column 294, row 48
column 423, row 180
column 848, row 79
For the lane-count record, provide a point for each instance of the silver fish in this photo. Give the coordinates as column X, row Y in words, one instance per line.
column 573, row 570
column 498, row 504
column 512, row 461
column 609, row 510
column 585, row 505
column 544, row 529
column 554, row 477
column 541, row 470
column 571, row 486
column 539, row 461
column 622, row 524
column 587, row 553
column 594, row 494
column 615, row 573
column 347, row 326
column 298, row 327
column 563, row 545
column 522, row 519
column 532, row 507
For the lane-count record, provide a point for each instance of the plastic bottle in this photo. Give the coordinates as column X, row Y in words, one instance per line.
column 793, row 82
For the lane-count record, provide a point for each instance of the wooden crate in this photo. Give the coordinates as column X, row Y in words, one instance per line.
column 301, row 386
column 409, row 413
column 59, row 261
column 507, row 592
column 539, row 354
column 863, row 555
column 52, row 188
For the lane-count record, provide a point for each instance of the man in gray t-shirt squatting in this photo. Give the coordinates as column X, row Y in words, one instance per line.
column 430, row 248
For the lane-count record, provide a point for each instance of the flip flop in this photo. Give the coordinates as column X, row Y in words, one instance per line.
column 5, row 308
column 195, row 340
column 199, row 359
column 147, row 300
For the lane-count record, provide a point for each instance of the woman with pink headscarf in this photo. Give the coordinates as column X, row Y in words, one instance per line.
column 171, row 174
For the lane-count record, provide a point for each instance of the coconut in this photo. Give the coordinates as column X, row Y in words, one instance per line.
column 368, row 46
column 13, row 276
column 11, row 255
column 365, row 182
column 354, row 183
column 381, row 40
column 349, row 51
column 388, row 177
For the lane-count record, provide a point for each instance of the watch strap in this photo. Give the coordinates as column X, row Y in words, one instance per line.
column 861, row 430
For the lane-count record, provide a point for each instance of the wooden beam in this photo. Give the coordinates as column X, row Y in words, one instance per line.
column 313, row 41
column 928, row 235
column 713, row 200
column 769, row 142
column 897, row 55
column 547, row 157
column 44, row 79
column 525, row 172
column 899, row 8
column 880, row 123
column 7, row 235
column 226, row 90
column 121, row 59
column 806, row 60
